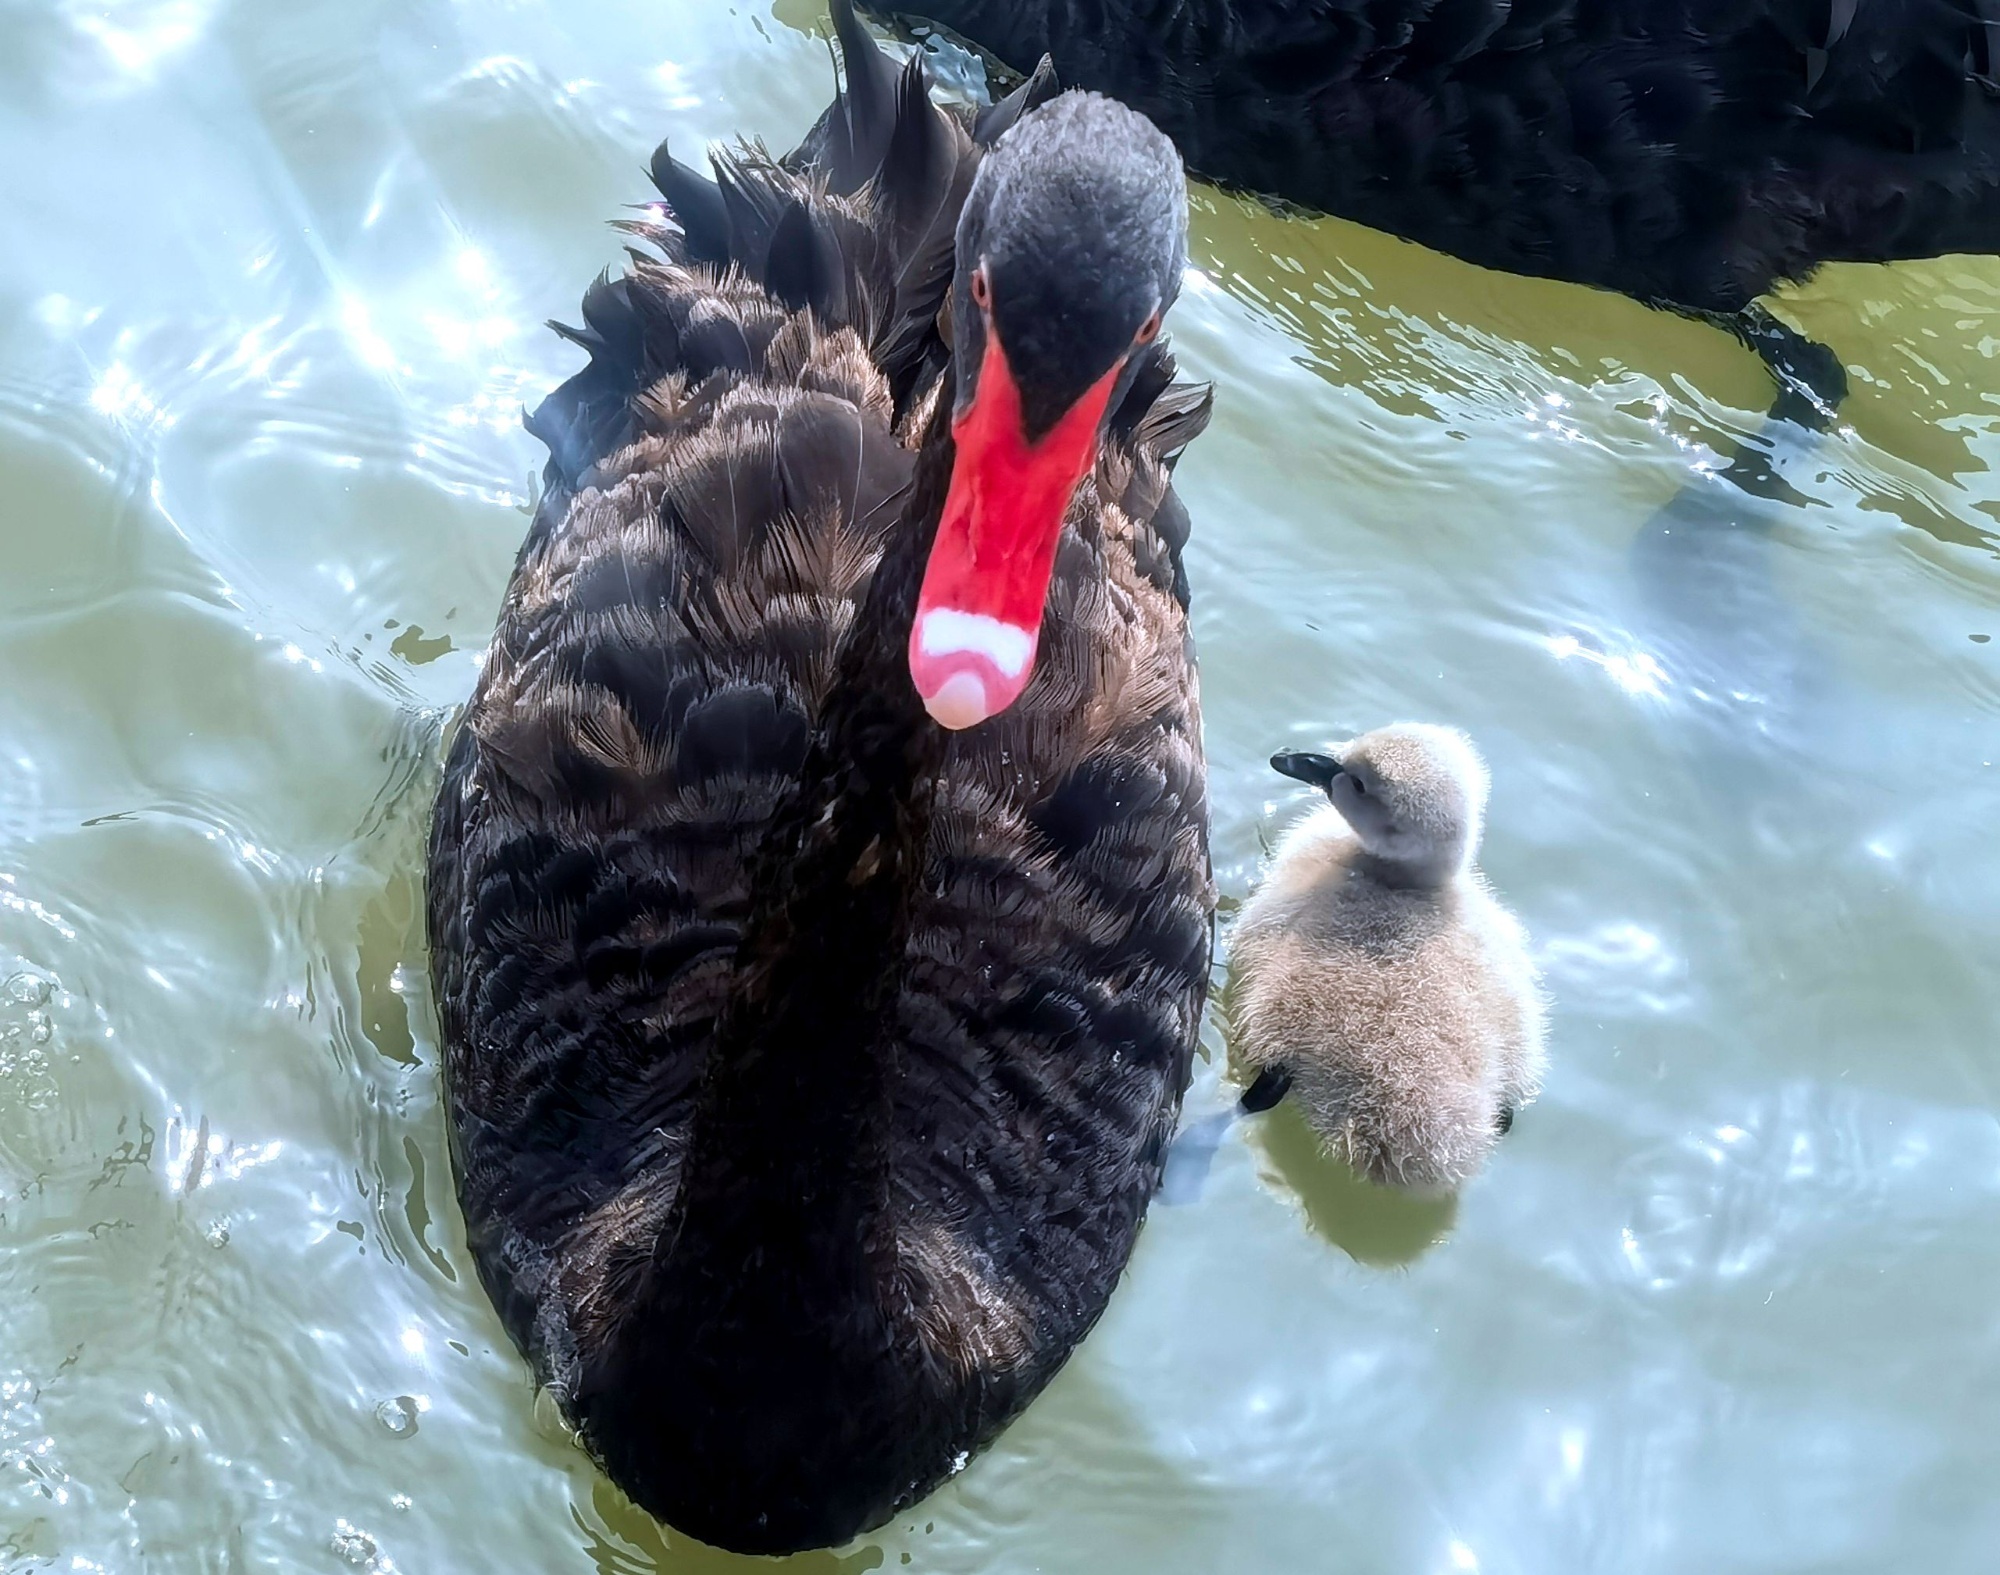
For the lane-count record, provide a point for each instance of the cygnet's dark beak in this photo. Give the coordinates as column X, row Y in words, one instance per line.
column 1317, row 770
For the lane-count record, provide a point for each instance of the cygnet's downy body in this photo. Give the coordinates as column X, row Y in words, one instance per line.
column 1375, row 977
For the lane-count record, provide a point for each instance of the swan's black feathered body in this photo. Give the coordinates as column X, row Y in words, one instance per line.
column 810, row 1068
column 1686, row 152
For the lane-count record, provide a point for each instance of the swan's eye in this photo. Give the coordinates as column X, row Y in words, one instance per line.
column 982, row 292
column 1149, row 330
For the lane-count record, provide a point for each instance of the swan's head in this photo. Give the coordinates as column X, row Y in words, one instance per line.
column 1414, row 793
column 1071, row 247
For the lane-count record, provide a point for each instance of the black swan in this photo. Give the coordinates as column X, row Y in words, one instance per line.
column 810, row 1063
column 1689, row 153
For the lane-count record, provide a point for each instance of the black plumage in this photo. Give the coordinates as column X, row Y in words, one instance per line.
column 810, row 1068
column 1689, row 153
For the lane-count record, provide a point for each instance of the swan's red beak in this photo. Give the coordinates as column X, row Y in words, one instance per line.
column 979, row 617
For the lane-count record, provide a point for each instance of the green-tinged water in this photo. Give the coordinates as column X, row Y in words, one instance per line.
column 1728, row 1299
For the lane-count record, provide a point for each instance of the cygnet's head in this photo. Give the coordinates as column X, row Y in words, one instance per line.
column 1415, row 794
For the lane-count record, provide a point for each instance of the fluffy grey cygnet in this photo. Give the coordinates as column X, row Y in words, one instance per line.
column 1376, row 978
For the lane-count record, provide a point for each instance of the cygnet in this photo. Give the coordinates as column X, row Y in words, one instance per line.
column 1376, row 978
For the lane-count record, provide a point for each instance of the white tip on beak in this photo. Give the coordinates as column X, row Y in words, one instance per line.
column 960, row 702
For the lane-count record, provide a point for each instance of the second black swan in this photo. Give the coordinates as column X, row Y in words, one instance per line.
column 819, row 894
column 1689, row 153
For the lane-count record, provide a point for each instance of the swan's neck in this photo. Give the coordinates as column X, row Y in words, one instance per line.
column 784, row 1185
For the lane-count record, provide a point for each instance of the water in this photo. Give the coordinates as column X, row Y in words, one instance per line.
column 269, row 305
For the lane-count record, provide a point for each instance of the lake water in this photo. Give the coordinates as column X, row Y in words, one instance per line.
column 1728, row 1299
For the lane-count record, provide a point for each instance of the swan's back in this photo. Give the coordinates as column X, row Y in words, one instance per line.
column 1685, row 151
column 723, row 476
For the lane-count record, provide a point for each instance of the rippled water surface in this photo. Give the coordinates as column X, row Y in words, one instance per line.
column 270, row 294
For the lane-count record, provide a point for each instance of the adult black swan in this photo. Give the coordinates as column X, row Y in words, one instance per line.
column 1689, row 153
column 819, row 890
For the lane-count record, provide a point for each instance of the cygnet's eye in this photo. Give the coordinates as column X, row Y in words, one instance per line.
column 1360, row 786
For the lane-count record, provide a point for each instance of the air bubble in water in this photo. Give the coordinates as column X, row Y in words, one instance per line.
column 218, row 1235
column 27, row 989
column 351, row 1543
column 399, row 1415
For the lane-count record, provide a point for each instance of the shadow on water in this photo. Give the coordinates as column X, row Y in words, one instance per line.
column 1378, row 1226
column 622, row 1539
column 1082, row 1480
column 1710, row 608
column 1375, row 1225
column 1191, row 1156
